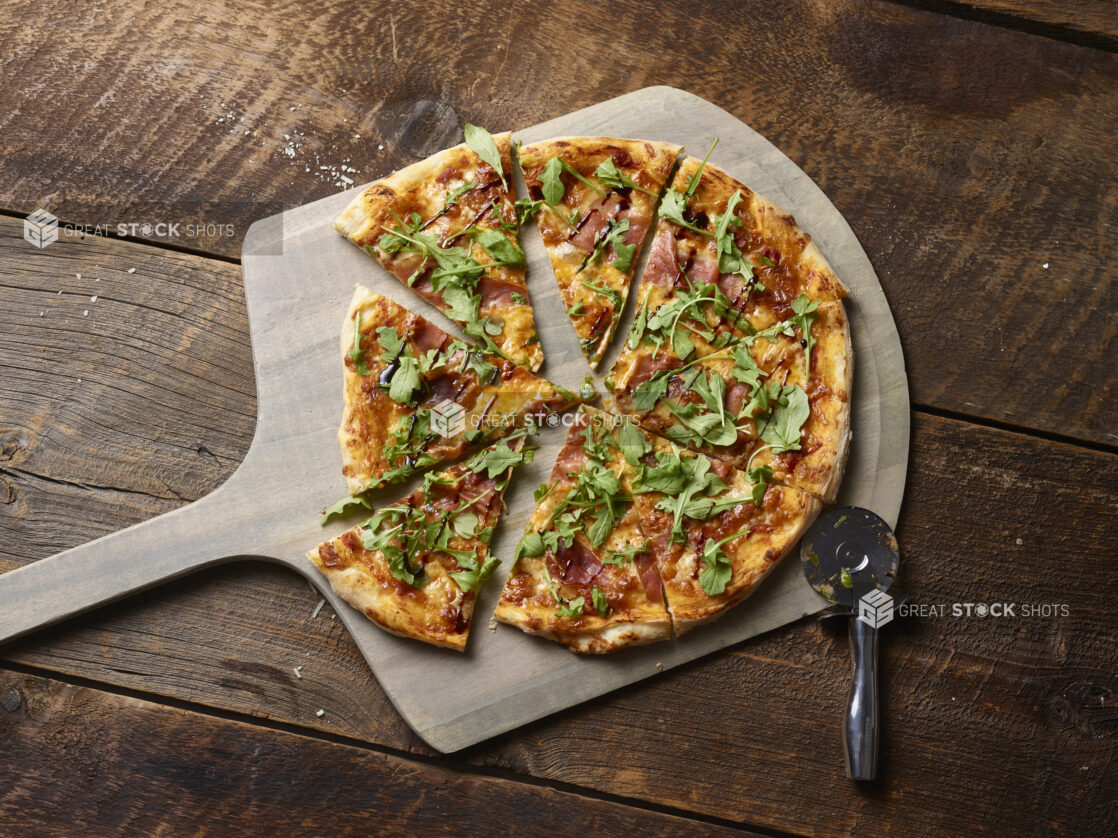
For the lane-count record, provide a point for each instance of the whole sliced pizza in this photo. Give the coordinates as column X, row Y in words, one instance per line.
column 415, row 396
column 446, row 227
column 414, row 568
column 594, row 200
column 731, row 395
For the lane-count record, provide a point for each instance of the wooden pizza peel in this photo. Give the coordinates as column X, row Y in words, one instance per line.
column 299, row 275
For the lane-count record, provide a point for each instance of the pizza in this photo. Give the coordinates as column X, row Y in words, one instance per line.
column 414, row 568
column 731, row 396
column 447, row 228
column 740, row 347
column 583, row 576
column 415, row 396
column 593, row 199
column 634, row 535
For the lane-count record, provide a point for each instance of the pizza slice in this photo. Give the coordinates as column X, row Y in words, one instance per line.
column 446, row 227
column 724, row 262
column 594, row 198
column 416, row 396
column 583, row 576
column 414, row 568
column 776, row 399
column 713, row 531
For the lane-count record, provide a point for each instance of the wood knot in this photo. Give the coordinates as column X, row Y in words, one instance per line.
column 12, row 442
column 11, row 699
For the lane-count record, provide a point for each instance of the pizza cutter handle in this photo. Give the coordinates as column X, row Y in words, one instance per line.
column 860, row 732
column 122, row 563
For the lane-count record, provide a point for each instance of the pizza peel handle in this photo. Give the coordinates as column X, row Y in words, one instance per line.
column 119, row 564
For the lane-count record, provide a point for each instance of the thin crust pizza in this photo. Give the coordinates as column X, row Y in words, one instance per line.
column 594, row 198
column 416, row 396
column 740, row 347
column 583, row 576
column 414, row 568
column 447, row 228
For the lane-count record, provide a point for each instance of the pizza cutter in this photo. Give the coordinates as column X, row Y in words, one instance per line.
column 850, row 556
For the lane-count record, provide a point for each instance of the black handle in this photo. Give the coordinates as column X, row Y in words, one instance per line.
column 860, row 731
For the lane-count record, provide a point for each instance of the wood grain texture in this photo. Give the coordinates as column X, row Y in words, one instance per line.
column 115, row 761
column 965, row 156
column 1090, row 23
column 124, row 394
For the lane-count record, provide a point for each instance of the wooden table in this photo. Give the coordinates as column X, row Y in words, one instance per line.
column 970, row 146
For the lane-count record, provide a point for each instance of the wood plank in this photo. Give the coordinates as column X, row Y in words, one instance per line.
column 121, row 765
column 964, row 155
column 1085, row 22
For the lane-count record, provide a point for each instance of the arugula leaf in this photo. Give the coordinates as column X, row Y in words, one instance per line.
column 599, row 531
column 674, row 204
column 576, row 309
column 712, row 425
column 613, row 233
column 356, row 354
column 465, row 524
column 475, row 361
column 391, row 342
column 846, row 578
column 518, row 298
column 693, row 183
column 551, row 182
column 586, row 391
column 531, row 545
column 634, row 444
column 624, row 258
column 672, row 207
column 344, row 507
column 525, row 209
column 472, row 577
column 503, row 251
column 623, row 557
column 481, row 142
column 610, row 175
column 601, row 603
column 572, row 608
column 746, row 369
column 405, row 381
column 717, row 570
column 806, row 313
column 637, row 332
column 782, row 432
column 760, row 477
column 730, row 258
column 498, row 459
column 650, row 392
column 613, row 297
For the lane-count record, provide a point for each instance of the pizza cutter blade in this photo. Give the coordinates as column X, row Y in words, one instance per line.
column 850, row 556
